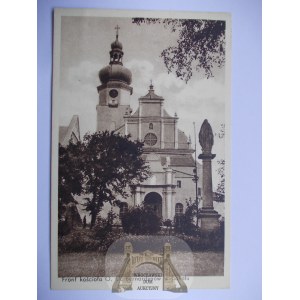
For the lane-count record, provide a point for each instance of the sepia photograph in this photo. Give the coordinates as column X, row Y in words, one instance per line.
column 140, row 180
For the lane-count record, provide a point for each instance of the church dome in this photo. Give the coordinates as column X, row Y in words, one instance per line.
column 116, row 45
column 115, row 72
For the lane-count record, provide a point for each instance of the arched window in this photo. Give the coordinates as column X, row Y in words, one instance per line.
column 151, row 126
column 178, row 209
column 123, row 209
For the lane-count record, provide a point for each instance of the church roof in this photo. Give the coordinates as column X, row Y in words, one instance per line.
column 136, row 114
column 179, row 161
column 71, row 132
column 151, row 95
column 120, row 129
column 166, row 114
column 62, row 133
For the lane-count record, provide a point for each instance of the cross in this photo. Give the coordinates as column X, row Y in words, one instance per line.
column 151, row 85
column 117, row 29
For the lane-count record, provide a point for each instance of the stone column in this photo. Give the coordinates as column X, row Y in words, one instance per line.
column 168, row 190
column 209, row 217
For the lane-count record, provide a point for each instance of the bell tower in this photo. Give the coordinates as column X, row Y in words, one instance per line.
column 114, row 91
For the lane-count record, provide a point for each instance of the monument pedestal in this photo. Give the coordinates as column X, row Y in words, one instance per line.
column 209, row 219
column 208, row 216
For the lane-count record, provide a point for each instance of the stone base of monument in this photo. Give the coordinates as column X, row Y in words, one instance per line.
column 209, row 219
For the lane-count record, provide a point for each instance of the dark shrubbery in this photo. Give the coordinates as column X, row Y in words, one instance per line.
column 184, row 223
column 140, row 220
column 69, row 218
column 104, row 225
column 213, row 240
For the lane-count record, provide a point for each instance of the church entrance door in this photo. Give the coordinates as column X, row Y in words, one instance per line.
column 154, row 202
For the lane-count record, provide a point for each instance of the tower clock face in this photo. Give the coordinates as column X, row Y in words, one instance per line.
column 113, row 93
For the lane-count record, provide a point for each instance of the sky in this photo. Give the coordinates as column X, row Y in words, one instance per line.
column 85, row 46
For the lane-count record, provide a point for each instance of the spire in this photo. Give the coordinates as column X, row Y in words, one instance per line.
column 151, row 87
column 117, row 32
column 116, row 53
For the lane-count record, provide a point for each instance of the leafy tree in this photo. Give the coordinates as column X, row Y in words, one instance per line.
column 111, row 162
column 104, row 226
column 221, row 184
column 200, row 45
column 70, row 176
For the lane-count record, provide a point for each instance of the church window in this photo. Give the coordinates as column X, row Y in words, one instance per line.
column 178, row 209
column 179, row 183
column 151, row 126
column 150, row 139
column 123, row 209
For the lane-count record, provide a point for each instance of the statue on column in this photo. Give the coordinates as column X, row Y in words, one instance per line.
column 209, row 217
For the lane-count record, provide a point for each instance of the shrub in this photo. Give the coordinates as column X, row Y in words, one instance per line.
column 104, row 225
column 184, row 223
column 202, row 240
column 140, row 220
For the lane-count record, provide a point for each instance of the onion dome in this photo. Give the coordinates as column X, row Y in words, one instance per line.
column 116, row 45
column 115, row 70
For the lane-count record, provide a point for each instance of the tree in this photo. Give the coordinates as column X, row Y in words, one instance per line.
column 111, row 162
column 200, row 45
column 70, row 175
column 220, row 197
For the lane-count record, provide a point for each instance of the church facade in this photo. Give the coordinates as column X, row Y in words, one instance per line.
column 167, row 149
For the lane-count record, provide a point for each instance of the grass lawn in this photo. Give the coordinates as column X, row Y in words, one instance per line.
column 92, row 264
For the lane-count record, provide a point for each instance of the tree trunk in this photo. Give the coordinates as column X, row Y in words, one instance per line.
column 93, row 220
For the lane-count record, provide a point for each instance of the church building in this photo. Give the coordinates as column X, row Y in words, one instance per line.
column 166, row 148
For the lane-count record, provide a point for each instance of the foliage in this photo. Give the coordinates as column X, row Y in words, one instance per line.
column 184, row 223
column 167, row 223
column 200, row 241
column 70, row 176
column 101, row 166
column 200, row 45
column 140, row 220
column 220, row 194
column 111, row 163
column 104, row 225
column 69, row 218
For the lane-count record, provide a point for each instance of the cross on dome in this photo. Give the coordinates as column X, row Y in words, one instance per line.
column 117, row 31
column 151, row 85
